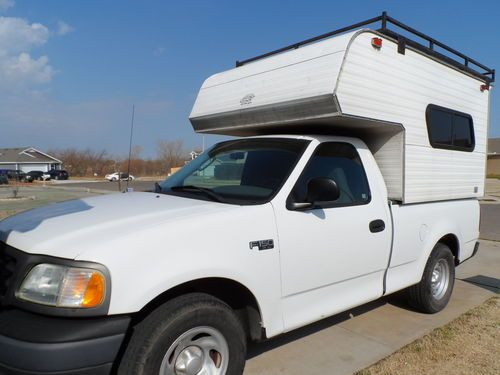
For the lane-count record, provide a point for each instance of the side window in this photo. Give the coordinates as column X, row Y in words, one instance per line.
column 340, row 162
column 449, row 129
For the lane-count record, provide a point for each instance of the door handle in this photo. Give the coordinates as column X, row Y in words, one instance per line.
column 377, row 226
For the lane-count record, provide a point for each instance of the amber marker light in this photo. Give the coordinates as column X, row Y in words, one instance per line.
column 96, row 290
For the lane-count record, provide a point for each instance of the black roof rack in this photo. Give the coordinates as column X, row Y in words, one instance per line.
column 458, row 59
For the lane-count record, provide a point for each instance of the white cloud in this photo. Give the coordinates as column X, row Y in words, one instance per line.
column 63, row 28
column 6, row 4
column 18, row 35
column 18, row 69
column 23, row 70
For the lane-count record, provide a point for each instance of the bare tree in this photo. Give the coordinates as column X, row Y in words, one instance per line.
column 88, row 162
column 171, row 154
column 83, row 163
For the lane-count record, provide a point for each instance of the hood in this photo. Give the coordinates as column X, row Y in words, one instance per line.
column 68, row 229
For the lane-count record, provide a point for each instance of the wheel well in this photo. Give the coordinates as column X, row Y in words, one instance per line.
column 451, row 241
column 236, row 295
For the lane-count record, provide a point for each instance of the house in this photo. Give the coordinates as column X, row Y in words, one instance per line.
column 493, row 165
column 27, row 159
column 194, row 154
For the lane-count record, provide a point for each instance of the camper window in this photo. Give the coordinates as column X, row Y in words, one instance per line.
column 449, row 129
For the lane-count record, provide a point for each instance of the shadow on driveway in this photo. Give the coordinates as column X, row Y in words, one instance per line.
column 489, row 283
column 256, row 349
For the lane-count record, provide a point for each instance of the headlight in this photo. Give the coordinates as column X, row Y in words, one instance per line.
column 61, row 286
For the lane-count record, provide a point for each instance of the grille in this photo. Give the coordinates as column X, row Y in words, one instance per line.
column 7, row 271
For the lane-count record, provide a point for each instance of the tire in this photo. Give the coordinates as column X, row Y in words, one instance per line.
column 183, row 326
column 428, row 296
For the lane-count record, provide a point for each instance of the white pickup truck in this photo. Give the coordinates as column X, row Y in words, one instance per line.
column 255, row 237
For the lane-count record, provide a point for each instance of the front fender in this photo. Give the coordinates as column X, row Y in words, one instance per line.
column 147, row 264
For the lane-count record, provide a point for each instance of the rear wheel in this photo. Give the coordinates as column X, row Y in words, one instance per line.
column 194, row 334
column 433, row 292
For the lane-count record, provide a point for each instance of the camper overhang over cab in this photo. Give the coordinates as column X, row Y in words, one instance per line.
column 424, row 115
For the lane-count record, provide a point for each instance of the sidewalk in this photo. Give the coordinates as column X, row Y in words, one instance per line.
column 353, row 340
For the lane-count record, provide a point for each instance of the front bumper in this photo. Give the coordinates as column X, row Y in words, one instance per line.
column 37, row 344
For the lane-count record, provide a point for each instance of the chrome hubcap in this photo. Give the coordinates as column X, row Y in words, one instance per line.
column 199, row 351
column 189, row 361
column 440, row 279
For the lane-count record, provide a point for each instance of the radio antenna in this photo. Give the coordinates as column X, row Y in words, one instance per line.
column 130, row 144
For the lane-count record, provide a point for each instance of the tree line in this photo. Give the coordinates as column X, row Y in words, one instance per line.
column 88, row 162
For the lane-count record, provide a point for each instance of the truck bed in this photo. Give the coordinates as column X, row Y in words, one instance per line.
column 417, row 228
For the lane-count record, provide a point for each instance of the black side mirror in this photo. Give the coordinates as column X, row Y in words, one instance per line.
column 320, row 190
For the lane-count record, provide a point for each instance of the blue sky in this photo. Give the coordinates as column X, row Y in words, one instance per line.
column 73, row 69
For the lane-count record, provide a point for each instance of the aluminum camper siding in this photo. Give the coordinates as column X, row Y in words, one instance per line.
column 292, row 87
column 345, row 84
column 389, row 86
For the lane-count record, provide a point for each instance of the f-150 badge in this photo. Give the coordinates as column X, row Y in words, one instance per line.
column 262, row 244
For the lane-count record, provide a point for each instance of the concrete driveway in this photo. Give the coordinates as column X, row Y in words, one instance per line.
column 353, row 340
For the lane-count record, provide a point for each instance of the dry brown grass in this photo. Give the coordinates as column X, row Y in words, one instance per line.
column 469, row 345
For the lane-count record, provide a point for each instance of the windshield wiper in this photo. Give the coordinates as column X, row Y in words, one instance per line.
column 192, row 188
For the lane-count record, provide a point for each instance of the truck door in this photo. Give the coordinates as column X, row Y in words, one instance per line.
column 333, row 257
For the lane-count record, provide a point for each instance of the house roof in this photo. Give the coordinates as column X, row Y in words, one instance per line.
column 23, row 155
column 494, row 146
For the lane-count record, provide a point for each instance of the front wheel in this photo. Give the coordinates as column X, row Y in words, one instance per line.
column 189, row 335
column 433, row 292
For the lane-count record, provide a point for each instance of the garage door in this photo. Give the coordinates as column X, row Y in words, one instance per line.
column 34, row 167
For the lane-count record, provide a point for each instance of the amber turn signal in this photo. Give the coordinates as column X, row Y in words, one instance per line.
column 95, row 292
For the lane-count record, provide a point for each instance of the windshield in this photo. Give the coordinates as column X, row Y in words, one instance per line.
column 244, row 171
